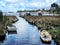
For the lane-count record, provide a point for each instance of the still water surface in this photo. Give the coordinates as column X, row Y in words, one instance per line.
column 26, row 35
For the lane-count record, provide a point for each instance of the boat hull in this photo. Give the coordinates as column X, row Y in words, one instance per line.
column 48, row 42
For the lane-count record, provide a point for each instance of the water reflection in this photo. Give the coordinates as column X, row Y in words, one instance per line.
column 2, row 38
column 15, row 32
column 26, row 35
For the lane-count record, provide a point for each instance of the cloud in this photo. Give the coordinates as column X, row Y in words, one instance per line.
column 50, row 1
column 37, row 4
column 11, row 1
column 14, row 5
column 2, row 4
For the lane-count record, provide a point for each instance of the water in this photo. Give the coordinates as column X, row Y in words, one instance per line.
column 26, row 35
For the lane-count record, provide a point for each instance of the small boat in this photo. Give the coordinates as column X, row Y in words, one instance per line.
column 11, row 28
column 45, row 36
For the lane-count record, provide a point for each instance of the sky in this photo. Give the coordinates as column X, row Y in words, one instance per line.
column 14, row 5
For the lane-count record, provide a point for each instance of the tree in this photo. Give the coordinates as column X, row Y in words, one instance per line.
column 38, row 10
column 43, row 9
column 54, row 8
column 54, row 5
column 1, row 16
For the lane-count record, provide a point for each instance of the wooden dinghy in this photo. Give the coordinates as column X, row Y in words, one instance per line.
column 45, row 36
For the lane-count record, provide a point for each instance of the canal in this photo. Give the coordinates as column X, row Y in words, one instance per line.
column 26, row 35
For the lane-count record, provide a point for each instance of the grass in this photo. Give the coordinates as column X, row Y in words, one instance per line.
column 11, row 19
column 55, row 34
column 57, row 31
column 45, row 19
column 2, row 32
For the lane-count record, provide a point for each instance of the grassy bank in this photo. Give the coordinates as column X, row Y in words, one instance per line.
column 10, row 19
column 43, row 21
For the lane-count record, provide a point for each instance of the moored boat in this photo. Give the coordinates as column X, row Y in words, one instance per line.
column 45, row 36
column 11, row 28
